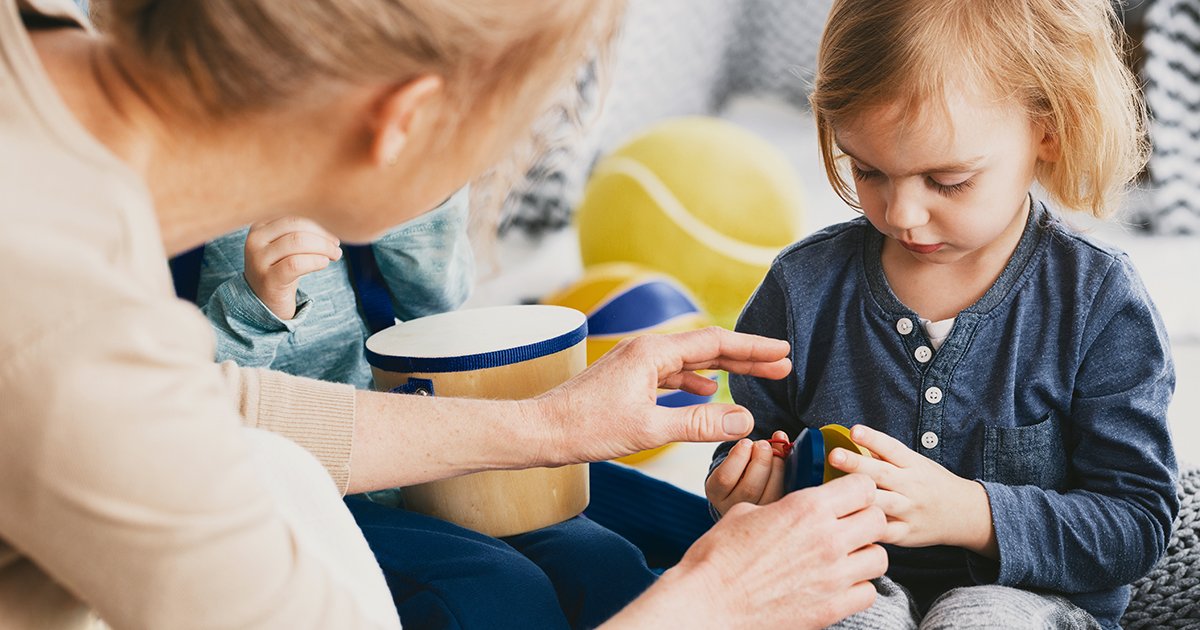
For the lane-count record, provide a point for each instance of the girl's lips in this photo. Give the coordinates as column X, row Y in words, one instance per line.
column 921, row 249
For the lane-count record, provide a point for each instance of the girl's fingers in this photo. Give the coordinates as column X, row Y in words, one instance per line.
column 893, row 503
column 780, row 444
column 263, row 233
column 884, row 446
column 774, row 490
column 896, row 532
column 294, row 243
column 758, row 472
column 291, row 268
column 881, row 472
column 725, row 478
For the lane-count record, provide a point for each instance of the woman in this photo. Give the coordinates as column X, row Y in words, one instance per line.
column 142, row 482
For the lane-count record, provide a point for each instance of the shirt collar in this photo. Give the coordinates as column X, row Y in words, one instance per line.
column 1027, row 246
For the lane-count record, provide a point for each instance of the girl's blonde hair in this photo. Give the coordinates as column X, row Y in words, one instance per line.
column 1061, row 60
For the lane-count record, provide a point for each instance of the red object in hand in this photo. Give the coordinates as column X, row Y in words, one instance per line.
column 780, row 447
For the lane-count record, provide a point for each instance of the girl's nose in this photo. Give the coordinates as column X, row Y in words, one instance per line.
column 905, row 211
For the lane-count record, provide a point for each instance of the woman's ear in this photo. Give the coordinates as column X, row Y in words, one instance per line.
column 399, row 110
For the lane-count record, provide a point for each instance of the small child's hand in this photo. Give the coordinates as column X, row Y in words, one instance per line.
column 279, row 253
column 750, row 473
column 925, row 504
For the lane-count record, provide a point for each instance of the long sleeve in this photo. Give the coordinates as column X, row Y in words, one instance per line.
column 126, row 475
column 427, row 262
column 247, row 332
column 317, row 415
column 1113, row 526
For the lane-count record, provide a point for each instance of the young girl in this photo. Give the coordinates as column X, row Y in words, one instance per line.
column 1010, row 375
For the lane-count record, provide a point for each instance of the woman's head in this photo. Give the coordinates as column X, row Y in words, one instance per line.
column 1057, row 63
column 446, row 87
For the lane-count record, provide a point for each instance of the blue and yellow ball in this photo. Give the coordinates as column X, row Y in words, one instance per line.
column 623, row 300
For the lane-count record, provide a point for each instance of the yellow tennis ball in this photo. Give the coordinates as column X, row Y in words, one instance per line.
column 698, row 198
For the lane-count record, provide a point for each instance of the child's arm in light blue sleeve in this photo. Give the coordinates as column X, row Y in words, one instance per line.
column 428, row 263
column 247, row 332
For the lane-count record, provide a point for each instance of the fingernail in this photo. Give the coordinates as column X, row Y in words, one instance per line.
column 736, row 423
column 837, row 456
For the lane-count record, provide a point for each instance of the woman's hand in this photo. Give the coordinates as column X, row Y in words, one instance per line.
column 925, row 503
column 751, row 473
column 805, row 561
column 611, row 408
column 279, row 253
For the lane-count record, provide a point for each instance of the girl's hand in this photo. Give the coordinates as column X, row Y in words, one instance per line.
column 925, row 503
column 751, row 473
column 279, row 253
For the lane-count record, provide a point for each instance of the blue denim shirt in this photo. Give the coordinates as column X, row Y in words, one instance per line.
column 427, row 264
column 1051, row 390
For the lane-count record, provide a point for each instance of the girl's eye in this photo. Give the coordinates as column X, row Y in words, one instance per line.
column 950, row 190
column 862, row 174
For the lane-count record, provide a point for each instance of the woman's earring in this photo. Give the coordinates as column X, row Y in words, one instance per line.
column 393, row 159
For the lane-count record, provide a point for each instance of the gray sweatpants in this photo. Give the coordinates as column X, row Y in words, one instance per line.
column 973, row 607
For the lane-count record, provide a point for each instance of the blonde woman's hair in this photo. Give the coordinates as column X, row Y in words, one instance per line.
column 1061, row 60
column 239, row 57
column 243, row 56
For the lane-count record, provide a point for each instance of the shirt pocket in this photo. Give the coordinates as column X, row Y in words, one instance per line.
column 1026, row 456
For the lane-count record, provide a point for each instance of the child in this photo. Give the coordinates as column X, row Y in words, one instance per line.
column 1010, row 375
column 289, row 303
column 279, row 294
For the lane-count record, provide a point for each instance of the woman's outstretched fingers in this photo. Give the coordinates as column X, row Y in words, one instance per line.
column 696, row 384
column 716, row 347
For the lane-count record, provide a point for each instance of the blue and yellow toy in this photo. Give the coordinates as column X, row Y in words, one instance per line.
column 623, row 300
column 806, row 461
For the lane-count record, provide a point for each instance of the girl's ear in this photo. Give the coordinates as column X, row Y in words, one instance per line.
column 398, row 111
column 1049, row 149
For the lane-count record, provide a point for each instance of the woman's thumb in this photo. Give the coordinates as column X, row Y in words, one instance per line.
column 713, row 422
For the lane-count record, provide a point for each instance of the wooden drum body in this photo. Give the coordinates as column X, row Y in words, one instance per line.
column 506, row 352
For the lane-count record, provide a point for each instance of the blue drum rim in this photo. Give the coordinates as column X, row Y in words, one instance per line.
column 479, row 361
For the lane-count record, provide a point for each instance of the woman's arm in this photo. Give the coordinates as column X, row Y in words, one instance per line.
column 607, row 411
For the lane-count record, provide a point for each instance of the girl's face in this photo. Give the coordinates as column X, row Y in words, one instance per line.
column 948, row 186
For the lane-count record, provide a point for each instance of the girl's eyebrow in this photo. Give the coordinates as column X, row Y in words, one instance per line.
column 961, row 166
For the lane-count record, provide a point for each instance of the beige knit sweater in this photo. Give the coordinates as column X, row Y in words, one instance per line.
column 127, row 482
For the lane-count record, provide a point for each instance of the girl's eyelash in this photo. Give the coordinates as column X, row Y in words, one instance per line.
column 860, row 174
column 952, row 189
column 947, row 190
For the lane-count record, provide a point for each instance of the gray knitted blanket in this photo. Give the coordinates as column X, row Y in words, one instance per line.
column 1169, row 597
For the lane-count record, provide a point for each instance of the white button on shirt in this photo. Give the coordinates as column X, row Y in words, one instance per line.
column 923, row 354
column 904, row 326
column 933, row 395
column 929, row 439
